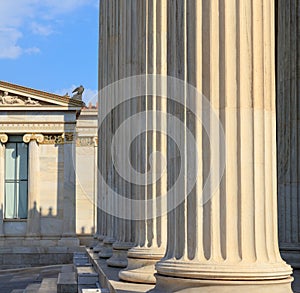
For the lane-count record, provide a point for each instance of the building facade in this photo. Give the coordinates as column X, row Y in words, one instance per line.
column 37, row 176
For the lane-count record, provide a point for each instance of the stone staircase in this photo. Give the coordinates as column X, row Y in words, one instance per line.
column 80, row 277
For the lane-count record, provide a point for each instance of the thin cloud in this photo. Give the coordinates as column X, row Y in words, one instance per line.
column 34, row 15
column 32, row 50
column 43, row 30
column 8, row 45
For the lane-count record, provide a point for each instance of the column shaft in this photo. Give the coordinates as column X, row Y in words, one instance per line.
column 151, row 44
column 227, row 241
column 3, row 140
column 33, row 221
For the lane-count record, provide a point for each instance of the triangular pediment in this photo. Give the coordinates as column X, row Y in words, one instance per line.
column 19, row 97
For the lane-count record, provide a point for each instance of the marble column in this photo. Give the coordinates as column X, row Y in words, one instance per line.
column 228, row 242
column 98, row 212
column 34, row 219
column 3, row 140
column 288, row 130
column 124, row 237
column 101, row 159
column 69, row 197
column 108, row 59
column 151, row 39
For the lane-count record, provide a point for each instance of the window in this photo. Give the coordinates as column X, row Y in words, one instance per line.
column 16, row 178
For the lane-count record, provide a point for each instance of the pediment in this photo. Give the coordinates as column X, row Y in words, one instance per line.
column 19, row 97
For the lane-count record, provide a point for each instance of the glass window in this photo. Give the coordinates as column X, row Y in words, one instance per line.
column 16, row 178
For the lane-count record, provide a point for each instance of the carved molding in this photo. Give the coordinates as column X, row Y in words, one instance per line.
column 33, row 136
column 69, row 137
column 53, row 139
column 3, row 138
column 95, row 140
column 85, row 141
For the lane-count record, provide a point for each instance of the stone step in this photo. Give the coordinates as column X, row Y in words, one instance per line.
column 88, row 289
column 81, row 260
column 48, row 285
column 67, row 268
column 98, row 290
column 80, row 254
column 32, row 288
column 66, row 282
column 86, row 276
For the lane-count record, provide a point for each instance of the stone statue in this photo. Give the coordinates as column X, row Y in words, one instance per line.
column 6, row 99
column 78, row 93
column 31, row 102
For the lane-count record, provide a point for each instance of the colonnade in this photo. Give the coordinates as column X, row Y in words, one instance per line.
column 220, row 235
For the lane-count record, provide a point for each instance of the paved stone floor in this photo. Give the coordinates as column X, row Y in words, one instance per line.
column 20, row 279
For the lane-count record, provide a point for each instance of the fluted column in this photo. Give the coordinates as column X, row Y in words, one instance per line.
column 101, row 158
column 69, row 196
column 98, row 236
column 226, row 242
column 33, row 221
column 288, row 131
column 108, row 64
column 124, row 237
column 3, row 140
column 151, row 232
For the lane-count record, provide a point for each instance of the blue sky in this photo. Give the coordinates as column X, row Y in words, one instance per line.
column 50, row 45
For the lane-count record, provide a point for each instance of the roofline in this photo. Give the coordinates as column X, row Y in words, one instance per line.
column 26, row 90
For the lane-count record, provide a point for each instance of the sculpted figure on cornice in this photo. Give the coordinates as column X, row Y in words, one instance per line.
column 7, row 99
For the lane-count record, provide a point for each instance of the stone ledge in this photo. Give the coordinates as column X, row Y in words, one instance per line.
column 108, row 277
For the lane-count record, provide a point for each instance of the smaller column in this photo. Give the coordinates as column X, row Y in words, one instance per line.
column 33, row 220
column 69, row 196
column 3, row 140
column 99, row 236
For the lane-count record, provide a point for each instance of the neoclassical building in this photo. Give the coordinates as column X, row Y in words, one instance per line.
column 37, row 176
column 227, row 51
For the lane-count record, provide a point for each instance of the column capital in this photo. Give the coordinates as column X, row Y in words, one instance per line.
column 33, row 136
column 3, row 137
column 95, row 140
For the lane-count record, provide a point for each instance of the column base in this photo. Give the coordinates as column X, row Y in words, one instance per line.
column 166, row 284
column 107, row 251
column 98, row 247
column 119, row 257
column 141, row 265
column 224, row 270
